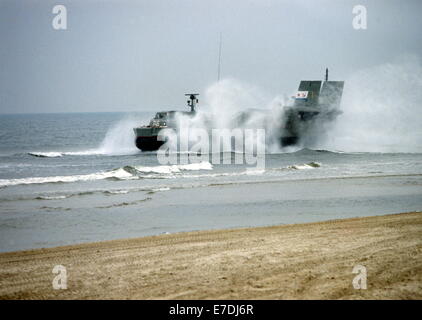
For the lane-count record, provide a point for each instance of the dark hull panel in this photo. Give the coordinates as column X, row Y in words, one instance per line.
column 151, row 143
column 289, row 141
column 148, row 143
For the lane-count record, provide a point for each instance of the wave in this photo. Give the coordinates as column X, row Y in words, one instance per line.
column 125, row 173
column 117, row 173
column 116, row 192
column 308, row 151
column 168, row 169
column 46, row 154
column 50, row 197
column 55, row 209
column 103, row 151
column 58, row 154
column 154, row 190
column 124, row 204
column 310, row 165
column 145, row 172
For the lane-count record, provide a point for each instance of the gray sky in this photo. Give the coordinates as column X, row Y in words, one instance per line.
column 144, row 55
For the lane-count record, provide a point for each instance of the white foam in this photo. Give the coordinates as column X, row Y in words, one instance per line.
column 118, row 173
column 88, row 152
column 254, row 172
column 306, row 166
column 117, row 191
column 51, row 197
column 57, row 154
column 169, row 169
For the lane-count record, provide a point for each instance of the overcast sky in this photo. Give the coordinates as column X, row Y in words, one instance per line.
column 144, row 55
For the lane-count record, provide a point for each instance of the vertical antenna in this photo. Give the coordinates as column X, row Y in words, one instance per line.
column 219, row 58
column 326, row 74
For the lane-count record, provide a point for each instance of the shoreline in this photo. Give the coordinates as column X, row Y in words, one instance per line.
column 293, row 261
column 50, row 223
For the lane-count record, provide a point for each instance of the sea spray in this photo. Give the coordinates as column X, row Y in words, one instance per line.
column 226, row 98
column 119, row 139
column 381, row 110
column 234, row 104
column 229, row 105
column 380, row 113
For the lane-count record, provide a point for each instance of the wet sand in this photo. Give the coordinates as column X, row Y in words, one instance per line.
column 302, row 261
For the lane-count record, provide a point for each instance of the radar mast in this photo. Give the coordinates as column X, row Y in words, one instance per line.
column 193, row 100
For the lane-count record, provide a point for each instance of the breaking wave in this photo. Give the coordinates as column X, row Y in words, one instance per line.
column 125, row 173
column 46, row 154
column 110, row 192
column 310, row 165
column 169, row 169
column 51, row 197
column 117, row 173
column 145, row 172
column 58, row 154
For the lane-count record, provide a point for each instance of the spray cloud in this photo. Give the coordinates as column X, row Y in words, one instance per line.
column 381, row 110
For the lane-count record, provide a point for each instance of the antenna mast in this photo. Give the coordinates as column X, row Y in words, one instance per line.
column 326, row 74
column 219, row 57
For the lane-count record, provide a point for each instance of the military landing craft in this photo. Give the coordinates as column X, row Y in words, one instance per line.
column 315, row 104
column 147, row 136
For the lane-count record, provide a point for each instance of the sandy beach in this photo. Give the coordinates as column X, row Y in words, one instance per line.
column 302, row 261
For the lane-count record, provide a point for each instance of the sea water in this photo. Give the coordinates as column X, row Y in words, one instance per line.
column 72, row 178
